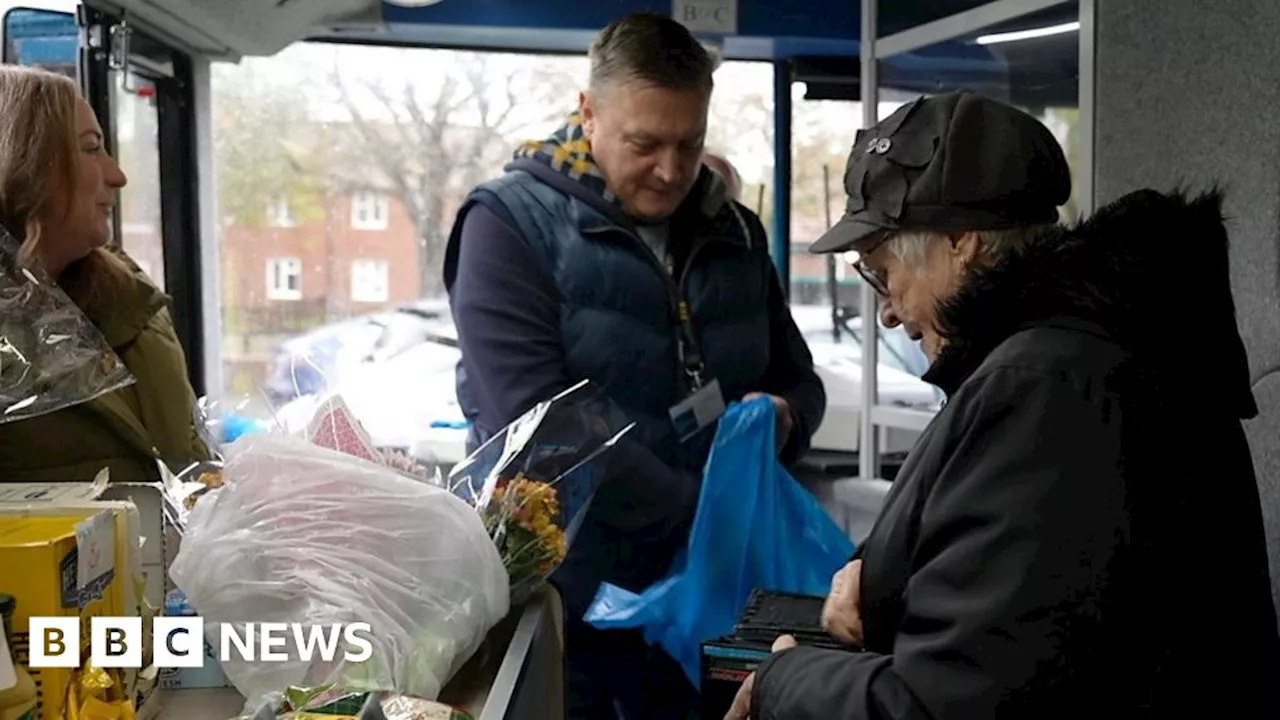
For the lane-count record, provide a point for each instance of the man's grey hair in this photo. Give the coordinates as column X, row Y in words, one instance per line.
column 653, row 50
column 909, row 246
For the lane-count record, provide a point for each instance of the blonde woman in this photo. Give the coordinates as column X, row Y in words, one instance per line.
column 58, row 188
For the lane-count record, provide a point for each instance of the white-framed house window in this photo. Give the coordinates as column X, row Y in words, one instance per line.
column 370, row 281
column 280, row 215
column 369, row 211
column 284, row 279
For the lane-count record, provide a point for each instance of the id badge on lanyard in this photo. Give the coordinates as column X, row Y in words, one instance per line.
column 705, row 403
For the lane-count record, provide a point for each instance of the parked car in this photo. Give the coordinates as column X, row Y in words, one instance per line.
column 395, row 370
column 405, row 399
column 315, row 361
column 837, row 359
column 844, row 333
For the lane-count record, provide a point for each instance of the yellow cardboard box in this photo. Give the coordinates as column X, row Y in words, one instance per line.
column 146, row 521
column 78, row 559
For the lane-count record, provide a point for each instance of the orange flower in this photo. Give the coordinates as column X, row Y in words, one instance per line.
column 534, row 543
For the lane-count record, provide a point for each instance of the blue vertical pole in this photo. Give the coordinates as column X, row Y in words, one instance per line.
column 782, row 171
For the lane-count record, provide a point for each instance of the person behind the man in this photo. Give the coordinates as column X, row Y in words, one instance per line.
column 608, row 252
column 1079, row 530
column 727, row 172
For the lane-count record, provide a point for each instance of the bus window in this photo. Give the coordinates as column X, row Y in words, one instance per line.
column 138, row 151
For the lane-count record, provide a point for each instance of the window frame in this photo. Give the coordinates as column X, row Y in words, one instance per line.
column 280, row 214
column 375, row 205
column 285, row 294
column 384, row 273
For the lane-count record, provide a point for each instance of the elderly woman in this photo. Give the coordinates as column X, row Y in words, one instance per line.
column 1078, row 532
column 58, row 188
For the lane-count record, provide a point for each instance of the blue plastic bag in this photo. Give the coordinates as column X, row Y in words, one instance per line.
column 756, row 527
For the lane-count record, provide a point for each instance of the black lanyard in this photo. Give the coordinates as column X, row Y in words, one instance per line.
column 687, row 346
column 686, row 336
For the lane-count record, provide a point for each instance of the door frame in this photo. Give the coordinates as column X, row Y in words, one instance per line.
column 173, row 72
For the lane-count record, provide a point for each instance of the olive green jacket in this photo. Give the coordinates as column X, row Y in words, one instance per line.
column 127, row 430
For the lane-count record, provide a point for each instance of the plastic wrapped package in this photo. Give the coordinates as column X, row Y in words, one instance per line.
column 334, row 426
column 533, row 482
column 330, row 703
column 299, row 533
column 51, row 355
column 205, row 418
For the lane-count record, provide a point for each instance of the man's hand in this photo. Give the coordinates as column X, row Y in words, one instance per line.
column 842, row 613
column 782, row 410
column 741, row 708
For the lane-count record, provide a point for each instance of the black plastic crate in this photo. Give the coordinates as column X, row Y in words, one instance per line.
column 770, row 614
column 726, row 662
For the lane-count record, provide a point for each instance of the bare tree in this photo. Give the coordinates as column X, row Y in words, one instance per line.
column 429, row 145
column 742, row 115
column 258, row 168
column 740, row 118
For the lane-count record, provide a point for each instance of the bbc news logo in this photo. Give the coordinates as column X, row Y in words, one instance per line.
column 178, row 642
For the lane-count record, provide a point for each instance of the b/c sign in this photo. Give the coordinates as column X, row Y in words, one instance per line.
column 707, row 16
column 178, row 642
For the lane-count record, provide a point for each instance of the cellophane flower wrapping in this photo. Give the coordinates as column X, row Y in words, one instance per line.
column 532, row 482
column 52, row 356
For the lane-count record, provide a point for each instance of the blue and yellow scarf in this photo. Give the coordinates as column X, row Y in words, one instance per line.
column 568, row 152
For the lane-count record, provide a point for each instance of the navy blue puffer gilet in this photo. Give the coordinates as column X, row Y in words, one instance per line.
column 618, row 316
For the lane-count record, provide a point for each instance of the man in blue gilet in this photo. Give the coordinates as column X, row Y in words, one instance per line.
column 609, row 252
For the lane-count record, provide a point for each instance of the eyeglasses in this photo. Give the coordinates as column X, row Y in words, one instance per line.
column 877, row 279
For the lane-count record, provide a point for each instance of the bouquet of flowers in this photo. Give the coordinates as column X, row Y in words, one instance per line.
column 533, row 481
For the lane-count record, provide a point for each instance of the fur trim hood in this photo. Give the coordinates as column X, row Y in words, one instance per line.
column 1117, row 274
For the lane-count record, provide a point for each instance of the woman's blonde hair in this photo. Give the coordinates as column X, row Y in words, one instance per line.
column 39, row 166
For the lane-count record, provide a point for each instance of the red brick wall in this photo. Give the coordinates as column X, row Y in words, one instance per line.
column 397, row 245
column 327, row 247
column 254, row 323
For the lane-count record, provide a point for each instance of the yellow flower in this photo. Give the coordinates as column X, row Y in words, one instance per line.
column 535, row 543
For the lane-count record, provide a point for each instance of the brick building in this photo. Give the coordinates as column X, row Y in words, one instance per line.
column 288, row 276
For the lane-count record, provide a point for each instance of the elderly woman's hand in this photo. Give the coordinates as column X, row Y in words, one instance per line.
column 842, row 613
column 741, row 708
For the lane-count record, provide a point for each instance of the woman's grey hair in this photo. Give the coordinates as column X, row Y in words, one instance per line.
column 910, row 246
column 651, row 49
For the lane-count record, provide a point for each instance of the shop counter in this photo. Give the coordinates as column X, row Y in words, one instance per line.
column 518, row 674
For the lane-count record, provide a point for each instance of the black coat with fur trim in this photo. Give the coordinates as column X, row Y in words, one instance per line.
column 1079, row 530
